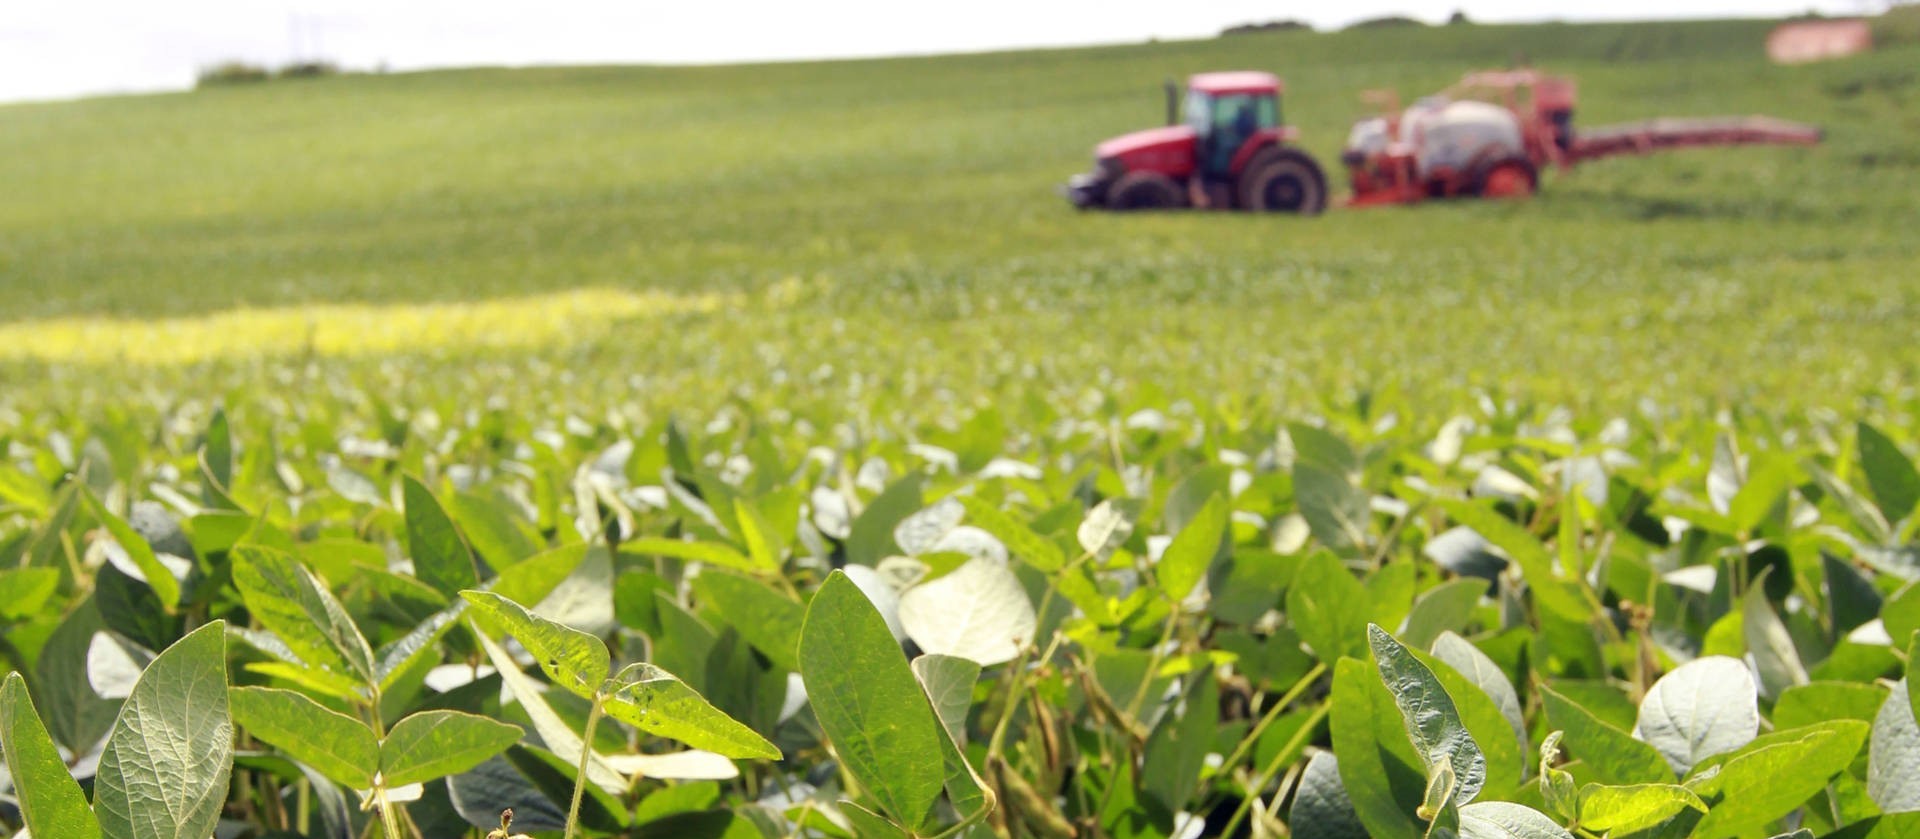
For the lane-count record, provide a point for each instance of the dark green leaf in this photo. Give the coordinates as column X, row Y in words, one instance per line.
column 334, row 744
column 1611, row 755
column 1187, row 558
column 287, row 599
column 769, row 620
column 440, row 555
column 1328, row 607
column 50, row 801
column 868, row 703
column 872, row 537
column 654, row 701
column 434, row 744
column 1321, row 809
column 1890, row 475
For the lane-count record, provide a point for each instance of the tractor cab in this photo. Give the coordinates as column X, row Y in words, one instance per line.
column 1225, row 110
column 1225, row 148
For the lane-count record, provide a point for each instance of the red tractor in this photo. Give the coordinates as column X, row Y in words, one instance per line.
column 1230, row 152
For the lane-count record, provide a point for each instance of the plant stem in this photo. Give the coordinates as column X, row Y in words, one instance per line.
column 388, row 824
column 1273, row 713
column 586, row 753
column 1260, row 782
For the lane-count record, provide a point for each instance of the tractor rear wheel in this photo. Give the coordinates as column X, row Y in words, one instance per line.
column 1283, row 180
column 1144, row 191
column 1513, row 177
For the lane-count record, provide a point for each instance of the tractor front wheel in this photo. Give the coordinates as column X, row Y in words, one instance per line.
column 1144, row 191
column 1514, row 177
column 1283, row 180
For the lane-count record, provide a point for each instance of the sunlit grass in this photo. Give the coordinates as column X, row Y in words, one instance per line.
column 337, row 330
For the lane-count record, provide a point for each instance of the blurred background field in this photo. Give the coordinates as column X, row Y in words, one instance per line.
column 819, row 233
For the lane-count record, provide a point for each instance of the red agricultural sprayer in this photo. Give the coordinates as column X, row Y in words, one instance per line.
column 1490, row 136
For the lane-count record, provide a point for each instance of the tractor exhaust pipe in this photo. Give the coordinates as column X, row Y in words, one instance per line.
column 1173, row 102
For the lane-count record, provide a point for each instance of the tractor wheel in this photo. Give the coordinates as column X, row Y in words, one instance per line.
column 1513, row 177
column 1144, row 191
column 1282, row 180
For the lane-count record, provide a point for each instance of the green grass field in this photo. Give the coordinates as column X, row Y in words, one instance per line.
column 909, row 202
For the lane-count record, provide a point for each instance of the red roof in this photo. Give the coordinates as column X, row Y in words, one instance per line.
column 1242, row 81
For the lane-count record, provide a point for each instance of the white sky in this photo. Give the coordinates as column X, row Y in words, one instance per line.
column 62, row 48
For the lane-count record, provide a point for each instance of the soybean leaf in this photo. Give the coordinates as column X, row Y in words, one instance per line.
column 1432, row 721
column 533, row 579
column 1703, row 708
column 286, row 598
column 978, row 611
column 1328, row 607
column 1630, row 809
column 1465, row 552
column 1612, row 756
column 867, row 823
column 755, row 532
column 1900, row 615
column 1556, row 784
column 1187, row 558
column 1772, row 776
column 441, row 557
column 50, row 801
column 1321, row 449
column 216, row 449
column 1177, row 749
column 1505, row 751
column 334, row 744
column 1893, row 763
column 868, row 703
column 1469, row 661
column 1021, row 541
column 656, row 702
column 1820, row 701
column 406, row 652
column 1536, row 565
column 158, row 576
column 1769, row 643
column 948, row 681
column 1321, row 809
column 76, row 715
column 767, row 619
column 1107, row 526
column 1336, row 510
column 712, row 553
column 435, row 744
column 1378, row 767
column 1506, row 820
column 24, row 591
column 1890, row 476
column 496, row 535
column 1444, row 608
column 572, row 659
column 559, row 737
column 175, row 727
column 871, row 538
